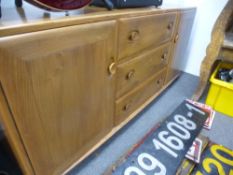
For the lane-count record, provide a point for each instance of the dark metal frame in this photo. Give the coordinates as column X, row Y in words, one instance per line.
column 18, row 3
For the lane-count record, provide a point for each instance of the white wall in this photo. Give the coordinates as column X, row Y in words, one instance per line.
column 207, row 13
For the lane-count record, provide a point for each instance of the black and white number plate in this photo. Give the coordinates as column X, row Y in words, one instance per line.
column 164, row 149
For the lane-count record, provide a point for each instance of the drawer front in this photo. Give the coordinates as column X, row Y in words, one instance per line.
column 132, row 73
column 130, row 102
column 136, row 34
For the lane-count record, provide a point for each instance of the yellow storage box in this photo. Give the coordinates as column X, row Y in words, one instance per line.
column 220, row 95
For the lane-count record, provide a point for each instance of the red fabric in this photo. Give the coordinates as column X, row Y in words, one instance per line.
column 61, row 4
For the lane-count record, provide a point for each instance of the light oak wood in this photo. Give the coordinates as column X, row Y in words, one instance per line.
column 51, row 88
column 181, row 41
column 128, row 103
column 13, row 135
column 63, row 79
column 29, row 19
column 132, row 73
column 214, row 48
column 122, row 124
column 136, row 34
column 226, row 53
column 228, row 41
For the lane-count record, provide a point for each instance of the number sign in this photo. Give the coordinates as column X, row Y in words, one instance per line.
column 164, row 149
column 215, row 160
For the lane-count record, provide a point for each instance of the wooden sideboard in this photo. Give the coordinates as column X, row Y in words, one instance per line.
column 68, row 84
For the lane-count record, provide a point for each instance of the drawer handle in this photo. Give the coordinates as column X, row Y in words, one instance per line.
column 112, row 68
column 176, row 38
column 130, row 75
column 159, row 81
column 170, row 25
column 164, row 56
column 134, row 35
column 126, row 107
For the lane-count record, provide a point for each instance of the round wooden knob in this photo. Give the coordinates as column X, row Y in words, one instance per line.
column 159, row 82
column 170, row 25
column 176, row 38
column 126, row 107
column 130, row 75
column 164, row 56
column 134, row 35
column 112, row 68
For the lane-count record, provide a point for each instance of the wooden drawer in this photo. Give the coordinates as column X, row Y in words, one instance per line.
column 132, row 73
column 130, row 102
column 136, row 34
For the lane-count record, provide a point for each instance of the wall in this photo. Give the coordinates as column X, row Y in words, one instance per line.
column 207, row 13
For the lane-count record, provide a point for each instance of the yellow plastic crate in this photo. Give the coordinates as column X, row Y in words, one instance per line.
column 220, row 95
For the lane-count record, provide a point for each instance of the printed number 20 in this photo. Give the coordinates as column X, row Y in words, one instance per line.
column 209, row 161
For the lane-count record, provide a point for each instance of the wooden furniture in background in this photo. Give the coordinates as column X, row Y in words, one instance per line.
column 67, row 85
column 218, row 48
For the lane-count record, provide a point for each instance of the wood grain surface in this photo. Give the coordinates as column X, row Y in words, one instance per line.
column 67, row 83
column 151, row 30
column 131, row 73
column 214, row 48
column 59, row 91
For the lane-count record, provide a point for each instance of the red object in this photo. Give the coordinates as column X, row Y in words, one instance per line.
column 59, row 5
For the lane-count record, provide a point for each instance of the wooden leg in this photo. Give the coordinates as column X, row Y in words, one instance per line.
column 205, row 73
column 18, row 3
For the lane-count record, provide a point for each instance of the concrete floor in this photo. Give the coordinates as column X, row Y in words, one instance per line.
column 98, row 162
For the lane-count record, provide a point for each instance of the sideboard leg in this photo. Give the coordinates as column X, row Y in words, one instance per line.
column 205, row 73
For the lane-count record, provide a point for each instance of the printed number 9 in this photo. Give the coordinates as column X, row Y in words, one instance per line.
column 147, row 162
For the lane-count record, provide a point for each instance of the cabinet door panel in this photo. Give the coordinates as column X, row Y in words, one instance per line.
column 181, row 47
column 59, row 90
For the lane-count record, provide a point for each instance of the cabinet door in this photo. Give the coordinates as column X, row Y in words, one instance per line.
column 184, row 28
column 59, row 91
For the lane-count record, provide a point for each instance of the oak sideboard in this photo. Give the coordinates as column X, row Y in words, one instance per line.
column 68, row 84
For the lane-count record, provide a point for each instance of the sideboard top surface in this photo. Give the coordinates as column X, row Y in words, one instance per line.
column 30, row 19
